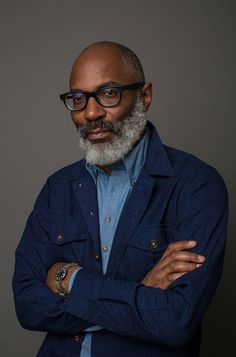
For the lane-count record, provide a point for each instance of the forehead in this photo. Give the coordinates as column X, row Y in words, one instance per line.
column 97, row 66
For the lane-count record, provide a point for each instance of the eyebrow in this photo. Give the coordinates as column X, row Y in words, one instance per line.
column 103, row 85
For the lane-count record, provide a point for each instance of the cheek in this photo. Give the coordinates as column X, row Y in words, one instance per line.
column 77, row 119
column 125, row 108
column 119, row 113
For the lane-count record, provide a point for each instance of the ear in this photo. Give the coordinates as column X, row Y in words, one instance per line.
column 146, row 93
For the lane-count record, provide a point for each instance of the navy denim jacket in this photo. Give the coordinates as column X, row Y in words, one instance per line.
column 176, row 197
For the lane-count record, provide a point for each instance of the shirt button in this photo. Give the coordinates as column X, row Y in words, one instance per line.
column 108, row 218
column 97, row 257
column 105, row 248
column 77, row 338
column 132, row 183
column 60, row 237
column 153, row 243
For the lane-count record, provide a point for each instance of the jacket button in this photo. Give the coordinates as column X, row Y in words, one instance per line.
column 60, row 237
column 153, row 243
column 77, row 338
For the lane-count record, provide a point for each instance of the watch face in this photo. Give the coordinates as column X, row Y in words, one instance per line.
column 61, row 274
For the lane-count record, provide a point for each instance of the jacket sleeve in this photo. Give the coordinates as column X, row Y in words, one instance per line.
column 170, row 317
column 37, row 307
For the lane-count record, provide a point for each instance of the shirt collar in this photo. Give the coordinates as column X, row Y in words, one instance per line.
column 136, row 158
column 132, row 163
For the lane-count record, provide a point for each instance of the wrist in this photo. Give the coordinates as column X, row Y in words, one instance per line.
column 66, row 282
column 62, row 277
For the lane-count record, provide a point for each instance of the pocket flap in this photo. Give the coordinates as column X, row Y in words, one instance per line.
column 63, row 232
column 152, row 238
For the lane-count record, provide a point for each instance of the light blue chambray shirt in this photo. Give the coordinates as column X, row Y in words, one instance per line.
column 112, row 193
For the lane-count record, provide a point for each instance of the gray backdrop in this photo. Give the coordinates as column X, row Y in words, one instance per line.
column 188, row 50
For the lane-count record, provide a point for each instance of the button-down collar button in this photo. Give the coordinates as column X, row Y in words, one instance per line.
column 105, row 248
column 108, row 218
column 132, row 183
column 77, row 338
column 153, row 243
column 60, row 237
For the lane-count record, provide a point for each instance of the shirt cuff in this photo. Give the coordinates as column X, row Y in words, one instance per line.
column 72, row 278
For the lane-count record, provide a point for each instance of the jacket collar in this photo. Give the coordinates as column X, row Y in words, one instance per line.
column 157, row 161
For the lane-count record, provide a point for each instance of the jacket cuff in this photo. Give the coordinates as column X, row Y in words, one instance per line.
column 89, row 289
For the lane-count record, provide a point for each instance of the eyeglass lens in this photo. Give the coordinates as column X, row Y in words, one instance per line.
column 105, row 96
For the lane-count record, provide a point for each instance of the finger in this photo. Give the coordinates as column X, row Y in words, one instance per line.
column 172, row 277
column 165, row 282
column 184, row 256
column 179, row 267
column 180, row 245
column 181, row 256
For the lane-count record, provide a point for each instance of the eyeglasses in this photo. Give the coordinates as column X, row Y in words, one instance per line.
column 108, row 96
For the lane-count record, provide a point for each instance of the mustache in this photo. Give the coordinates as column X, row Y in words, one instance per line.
column 97, row 124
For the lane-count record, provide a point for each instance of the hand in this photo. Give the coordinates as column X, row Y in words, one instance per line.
column 51, row 277
column 174, row 263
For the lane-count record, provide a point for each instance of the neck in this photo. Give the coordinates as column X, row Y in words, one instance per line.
column 107, row 169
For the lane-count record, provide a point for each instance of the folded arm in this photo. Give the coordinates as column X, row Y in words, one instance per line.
column 150, row 310
column 37, row 307
column 166, row 316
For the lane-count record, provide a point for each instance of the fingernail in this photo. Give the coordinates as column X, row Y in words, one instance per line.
column 198, row 265
column 201, row 258
column 192, row 242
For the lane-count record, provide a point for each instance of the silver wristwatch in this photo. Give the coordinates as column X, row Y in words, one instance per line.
column 60, row 276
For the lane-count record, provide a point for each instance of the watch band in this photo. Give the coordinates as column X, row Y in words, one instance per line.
column 60, row 276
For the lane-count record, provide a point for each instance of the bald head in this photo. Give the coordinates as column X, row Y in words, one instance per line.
column 115, row 55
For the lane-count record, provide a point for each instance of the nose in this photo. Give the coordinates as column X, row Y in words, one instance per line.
column 93, row 110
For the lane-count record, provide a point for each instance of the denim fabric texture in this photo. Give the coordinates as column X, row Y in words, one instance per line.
column 176, row 197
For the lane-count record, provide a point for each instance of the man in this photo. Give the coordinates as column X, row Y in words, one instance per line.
column 123, row 251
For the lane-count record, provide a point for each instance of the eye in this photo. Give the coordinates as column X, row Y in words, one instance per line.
column 77, row 98
column 110, row 92
column 109, row 96
column 75, row 101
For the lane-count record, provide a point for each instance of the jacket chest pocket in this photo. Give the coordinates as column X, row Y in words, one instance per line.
column 143, row 251
column 70, row 240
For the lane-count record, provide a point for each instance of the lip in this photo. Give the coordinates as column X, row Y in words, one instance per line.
column 99, row 134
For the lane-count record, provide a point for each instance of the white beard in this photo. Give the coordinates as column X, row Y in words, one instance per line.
column 126, row 134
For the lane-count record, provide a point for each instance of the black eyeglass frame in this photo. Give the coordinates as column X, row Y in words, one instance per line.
column 94, row 94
